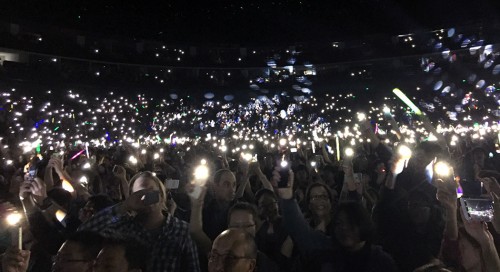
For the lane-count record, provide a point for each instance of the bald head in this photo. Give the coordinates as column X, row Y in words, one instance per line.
column 233, row 250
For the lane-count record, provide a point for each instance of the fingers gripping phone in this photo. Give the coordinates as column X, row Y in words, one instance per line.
column 477, row 209
column 151, row 198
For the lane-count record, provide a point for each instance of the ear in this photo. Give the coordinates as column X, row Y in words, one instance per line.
column 252, row 265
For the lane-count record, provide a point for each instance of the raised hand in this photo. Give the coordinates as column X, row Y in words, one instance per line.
column 119, row 172
column 38, row 190
column 15, row 260
column 284, row 193
column 135, row 202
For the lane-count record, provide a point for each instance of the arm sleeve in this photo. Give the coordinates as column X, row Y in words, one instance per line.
column 190, row 257
column 105, row 221
column 306, row 239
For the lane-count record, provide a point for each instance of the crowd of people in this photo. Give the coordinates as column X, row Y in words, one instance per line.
column 272, row 179
column 120, row 183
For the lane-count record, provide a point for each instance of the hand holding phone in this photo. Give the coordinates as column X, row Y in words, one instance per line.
column 477, row 209
column 151, row 198
column 284, row 168
column 286, row 190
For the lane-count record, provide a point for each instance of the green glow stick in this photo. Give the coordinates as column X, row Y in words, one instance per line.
column 407, row 101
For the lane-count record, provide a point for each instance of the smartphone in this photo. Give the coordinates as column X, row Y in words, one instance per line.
column 151, row 198
column 32, row 172
column 284, row 167
column 477, row 209
column 358, row 177
column 293, row 150
column 172, row 183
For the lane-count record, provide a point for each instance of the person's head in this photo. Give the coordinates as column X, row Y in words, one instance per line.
column 352, row 225
column 121, row 255
column 94, row 205
column 147, row 181
column 319, row 199
column 224, row 185
column 78, row 253
column 242, row 215
column 234, row 250
column 267, row 203
column 424, row 153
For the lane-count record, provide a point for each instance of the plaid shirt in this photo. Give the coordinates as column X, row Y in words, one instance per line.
column 171, row 250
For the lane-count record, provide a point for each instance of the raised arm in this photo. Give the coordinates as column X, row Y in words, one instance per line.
column 305, row 238
column 196, row 220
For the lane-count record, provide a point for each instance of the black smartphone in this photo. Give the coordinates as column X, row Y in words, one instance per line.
column 284, row 167
column 151, row 198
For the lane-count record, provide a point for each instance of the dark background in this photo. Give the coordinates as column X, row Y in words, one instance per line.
column 250, row 22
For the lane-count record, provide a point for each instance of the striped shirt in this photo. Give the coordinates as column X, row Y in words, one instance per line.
column 170, row 249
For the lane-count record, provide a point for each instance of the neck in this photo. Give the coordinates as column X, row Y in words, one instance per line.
column 222, row 203
column 153, row 221
column 356, row 247
column 322, row 218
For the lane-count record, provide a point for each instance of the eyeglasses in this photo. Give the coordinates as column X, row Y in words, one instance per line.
column 320, row 197
column 213, row 256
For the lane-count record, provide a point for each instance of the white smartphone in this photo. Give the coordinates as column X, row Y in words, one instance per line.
column 172, row 183
column 477, row 209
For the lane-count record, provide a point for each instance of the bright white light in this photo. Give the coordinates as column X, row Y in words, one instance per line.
column 13, row 218
column 67, row 186
column 83, row 180
column 404, row 152
column 442, row 169
column 349, row 152
column 282, row 142
column 361, row 117
column 201, row 174
column 283, row 164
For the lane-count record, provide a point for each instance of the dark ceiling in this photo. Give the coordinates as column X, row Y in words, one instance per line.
column 253, row 22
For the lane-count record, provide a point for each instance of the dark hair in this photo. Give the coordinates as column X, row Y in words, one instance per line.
column 357, row 216
column 243, row 206
column 135, row 252
column 89, row 242
column 260, row 193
